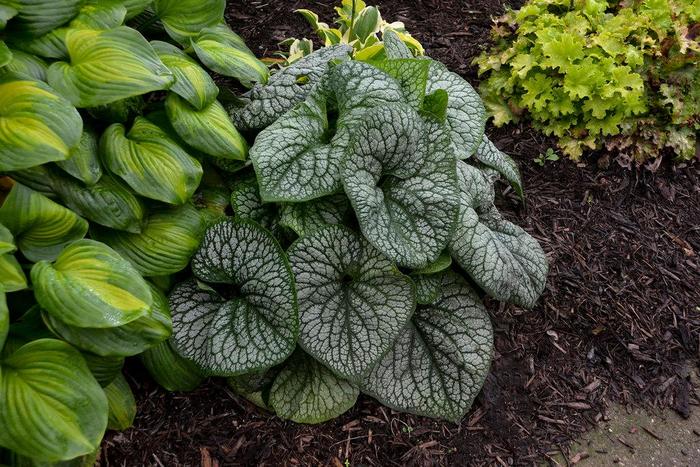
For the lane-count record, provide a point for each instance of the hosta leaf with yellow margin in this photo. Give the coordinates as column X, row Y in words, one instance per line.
column 183, row 19
column 90, row 285
column 84, row 162
column 151, row 163
column 41, row 227
column 224, row 52
column 122, row 404
column 25, row 65
column 38, row 17
column 169, row 237
column 36, row 124
column 106, row 66
column 51, row 407
column 209, row 130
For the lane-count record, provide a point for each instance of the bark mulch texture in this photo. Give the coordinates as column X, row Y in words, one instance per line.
column 619, row 320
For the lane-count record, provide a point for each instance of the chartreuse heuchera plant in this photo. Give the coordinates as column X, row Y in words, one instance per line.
column 101, row 201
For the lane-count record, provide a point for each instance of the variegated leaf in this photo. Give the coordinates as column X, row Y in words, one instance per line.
column 121, row 403
column 12, row 276
column 304, row 218
column 488, row 154
column 246, row 204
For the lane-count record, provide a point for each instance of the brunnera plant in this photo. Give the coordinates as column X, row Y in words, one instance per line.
column 360, row 243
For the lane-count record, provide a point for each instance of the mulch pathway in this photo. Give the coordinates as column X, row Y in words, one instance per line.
column 619, row 320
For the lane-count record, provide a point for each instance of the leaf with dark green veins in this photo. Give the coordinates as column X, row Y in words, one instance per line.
column 246, row 204
column 307, row 392
column 171, row 371
column 83, row 162
column 489, row 155
column 427, row 287
column 255, row 326
column 184, row 19
column 90, row 285
column 503, row 259
column 304, row 218
column 353, row 301
column 438, row 365
column 443, row 262
column 394, row 47
column 411, row 74
column 122, row 404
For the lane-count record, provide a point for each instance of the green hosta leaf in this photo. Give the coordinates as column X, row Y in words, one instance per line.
column 183, row 19
column 224, row 52
column 121, row 111
column 6, row 13
column 90, row 285
column 7, row 241
column 41, row 227
column 50, row 46
column 246, row 204
column 255, row 324
column 38, row 17
column 151, row 163
column 298, row 157
column 192, row 83
column 400, row 178
column 286, row 88
column 489, row 155
column 353, row 302
column 208, row 130
column 168, row 239
column 135, row 7
column 26, row 65
column 38, row 126
column 394, row 47
column 104, row 369
column 307, row 392
column 122, row 341
column 106, row 66
column 51, row 408
column 465, row 115
column 304, row 218
column 122, row 404
column 438, row 365
column 500, row 257
column 4, row 317
column 12, row 277
column 5, row 55
column 171, row 371
column 443, row 262
column 83, row 162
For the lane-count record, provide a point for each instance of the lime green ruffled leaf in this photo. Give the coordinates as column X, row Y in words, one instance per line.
column 169, row 370
column 304, row 218
column 224, row 52
column 208, row 130
column 51, row 407
column 307, row 392
column 151, row 163
column 26, row 65
column 183, row 19
column 83, row 162
column 256, row 325
column 6, row 13
column 503, row 259
column 104, row 369
column 12, row 276
column 122, row 341
column 439, row 363
column 401, row 180
column 489, row 155
column 106, row 66
column 38, row 17
column 90, row 285
column 168, row 239
column 41, row 227
column 122, row 404
column 192, row 83
column 38, row 126
column 353, row 301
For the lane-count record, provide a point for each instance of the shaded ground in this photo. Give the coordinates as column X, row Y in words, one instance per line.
column 619, row 320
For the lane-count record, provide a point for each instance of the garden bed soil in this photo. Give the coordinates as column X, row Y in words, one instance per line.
column 619, row 319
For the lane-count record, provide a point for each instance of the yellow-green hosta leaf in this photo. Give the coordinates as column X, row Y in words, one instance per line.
column 12, row 277
column 183, row 19
column 5, row 55
column 49, row 45
column 4, row 317
column 51, row 407
column 38, row 17
column 99, row 15
column 171, row 371
column 41, row 227
column 151, row 163
column 90, row 285
column 122, row 404
column 169, row 237
column 192, row 82
column 224, row 52
column 36, row 124
column 25, row 65
column 83, row 162
column 106, row 66
column 7, row 241
column 209, row 130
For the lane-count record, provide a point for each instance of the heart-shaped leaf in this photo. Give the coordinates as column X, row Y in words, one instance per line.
column 400, row 177
column 183, row 19
column 151, row 163
column 168, row 239
column 106, row 66
column 121, row 403
column 83, row 162
column 353, row 301
column 500, row 257
column 39, row 126
column 304, row 218
column 307, row 392
column 38, row 17
column 223, row 51
column 48, row 381
column 438, row 365
column 488, row 154
column 208, row 130
column 41, row 227
column 90, row 285
column 192, row 83
column 171, row 371
column 254, row 324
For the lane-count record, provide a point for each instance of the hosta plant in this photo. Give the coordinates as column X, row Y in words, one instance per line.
column 106, row 187
column 623, row 75
column 362, row 239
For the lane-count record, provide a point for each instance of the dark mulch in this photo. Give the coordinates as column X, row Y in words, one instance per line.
column 619, row 320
